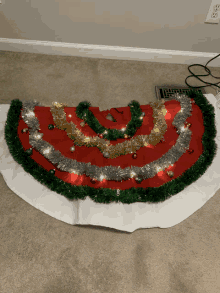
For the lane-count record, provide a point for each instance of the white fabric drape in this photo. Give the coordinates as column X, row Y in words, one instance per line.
column 125, row 217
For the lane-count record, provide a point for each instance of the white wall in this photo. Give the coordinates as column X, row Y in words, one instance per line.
column 170, row 24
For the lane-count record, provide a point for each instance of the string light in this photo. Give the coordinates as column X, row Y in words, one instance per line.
column 142, row 116
column 132, row 174
column 39, row 135
column 182, row 128
column 102, row 177
column 47, row 151
column 110, row 172
column 121, row 148
column 159, row 169
column 30, row 114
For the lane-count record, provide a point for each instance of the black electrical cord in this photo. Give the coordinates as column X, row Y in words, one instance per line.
column 209, row 73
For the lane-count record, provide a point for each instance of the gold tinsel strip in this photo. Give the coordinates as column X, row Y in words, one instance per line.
column 113, row 151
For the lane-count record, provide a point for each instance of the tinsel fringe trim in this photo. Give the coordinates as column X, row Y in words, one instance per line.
column 83, row 112
column 110, row 172
column 107, row 195
column 109, row 150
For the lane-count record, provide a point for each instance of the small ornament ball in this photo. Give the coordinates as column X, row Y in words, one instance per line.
column 138, row 179
column 190, row 151
column 24, row 130
column 170, row 173
column 50, row 126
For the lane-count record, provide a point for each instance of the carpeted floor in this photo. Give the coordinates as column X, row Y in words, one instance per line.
column 39, row 254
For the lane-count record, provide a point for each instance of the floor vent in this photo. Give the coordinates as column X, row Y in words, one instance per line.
column 166, row 92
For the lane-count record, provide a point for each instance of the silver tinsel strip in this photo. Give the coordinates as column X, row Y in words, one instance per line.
column 111, row 172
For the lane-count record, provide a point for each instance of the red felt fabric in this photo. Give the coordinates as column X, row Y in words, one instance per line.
column 60, row 141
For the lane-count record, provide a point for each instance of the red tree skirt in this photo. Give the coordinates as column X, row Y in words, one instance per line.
column 145, row 155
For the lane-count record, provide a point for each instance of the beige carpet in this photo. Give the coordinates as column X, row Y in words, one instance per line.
column 39, row 254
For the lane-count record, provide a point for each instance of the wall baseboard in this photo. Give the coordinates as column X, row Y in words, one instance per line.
column 109, row 52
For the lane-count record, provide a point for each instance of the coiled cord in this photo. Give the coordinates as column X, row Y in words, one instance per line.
column 209, row 84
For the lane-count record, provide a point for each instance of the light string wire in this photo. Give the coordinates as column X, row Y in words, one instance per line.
column 108, row 150
column 110, row 172
column 83, row 112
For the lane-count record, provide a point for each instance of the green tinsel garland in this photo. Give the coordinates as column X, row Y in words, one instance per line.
column 107, row 195
column 83, row 112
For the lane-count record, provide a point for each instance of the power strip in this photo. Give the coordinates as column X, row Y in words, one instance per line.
column 213, row 15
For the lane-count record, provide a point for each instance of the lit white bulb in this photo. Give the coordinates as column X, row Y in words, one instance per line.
column 38, row 136
column 70, row 115
column 132, row 174
column 159, row 169
column 102, row 177
column 30, row 114
column 123, row 129
column 47, row 151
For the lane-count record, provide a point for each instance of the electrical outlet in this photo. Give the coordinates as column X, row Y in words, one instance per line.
column 213, row 15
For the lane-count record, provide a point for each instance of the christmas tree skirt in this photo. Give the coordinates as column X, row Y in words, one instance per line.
column 153, row 166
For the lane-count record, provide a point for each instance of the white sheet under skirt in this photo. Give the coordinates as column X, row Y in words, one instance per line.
column 125, row 217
